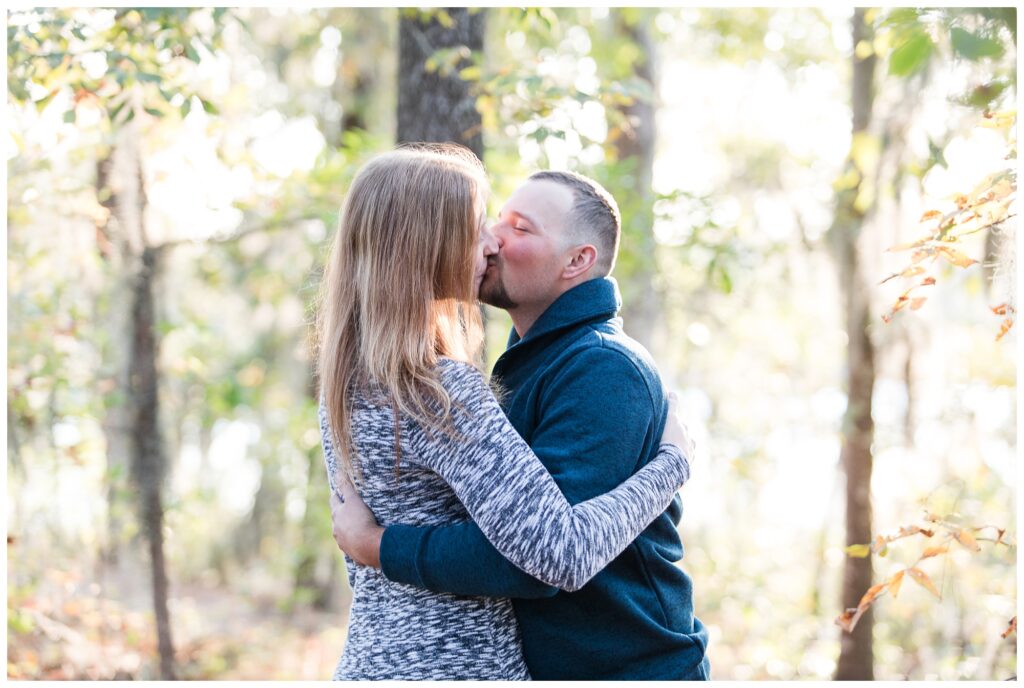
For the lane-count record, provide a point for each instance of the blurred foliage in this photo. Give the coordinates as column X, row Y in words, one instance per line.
column 254, row 122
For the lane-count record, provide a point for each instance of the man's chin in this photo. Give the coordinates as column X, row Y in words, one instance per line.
column 494, row 294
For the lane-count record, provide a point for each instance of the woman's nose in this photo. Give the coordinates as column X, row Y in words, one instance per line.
column 491, row 243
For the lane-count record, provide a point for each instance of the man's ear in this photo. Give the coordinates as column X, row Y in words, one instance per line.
column 581, row 259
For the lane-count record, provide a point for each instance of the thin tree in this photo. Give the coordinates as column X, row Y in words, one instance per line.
column 856, row 658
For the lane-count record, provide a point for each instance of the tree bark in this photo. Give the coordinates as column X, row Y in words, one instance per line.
column 148, row 458
column 636, row 143
column 438, row 106
column 116, row 189
column 856, row 658
column 133, row 426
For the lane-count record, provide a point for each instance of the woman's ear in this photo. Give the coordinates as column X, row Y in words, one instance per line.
column 581, row 259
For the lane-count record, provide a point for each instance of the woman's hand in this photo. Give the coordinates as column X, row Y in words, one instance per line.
column 355, row 528
column 675, row 431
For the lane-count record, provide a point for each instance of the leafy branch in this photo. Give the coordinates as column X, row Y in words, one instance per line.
column 948, row 533
column 986, row 207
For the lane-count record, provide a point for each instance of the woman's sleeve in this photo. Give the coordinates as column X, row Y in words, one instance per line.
column 510, row 494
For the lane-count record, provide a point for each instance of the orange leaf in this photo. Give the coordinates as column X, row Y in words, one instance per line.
column 922, row 579
column 848, row 619
column 1004, row 328
column 956, row 257
column 930, row 215
column 878, row 545
column 1000, row 309
column 918, row 302
column 873, row 592
column 967, row 540
column 1011, row 629
column 927, row 282
column 894, row 583
column 935, row 551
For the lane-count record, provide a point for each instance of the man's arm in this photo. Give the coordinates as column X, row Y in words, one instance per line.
column 586, row 455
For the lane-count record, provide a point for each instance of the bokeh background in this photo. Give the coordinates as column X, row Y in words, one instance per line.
column 173, row 182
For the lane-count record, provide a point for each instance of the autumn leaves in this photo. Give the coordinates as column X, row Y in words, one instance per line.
column 986, row 206
column 949, row 533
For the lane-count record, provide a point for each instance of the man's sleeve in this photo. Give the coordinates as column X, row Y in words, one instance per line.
column 598, row 421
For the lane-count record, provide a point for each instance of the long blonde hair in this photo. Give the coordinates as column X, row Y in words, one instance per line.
column 397, row 290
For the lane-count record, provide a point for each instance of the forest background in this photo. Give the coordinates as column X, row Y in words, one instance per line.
column 819, row 249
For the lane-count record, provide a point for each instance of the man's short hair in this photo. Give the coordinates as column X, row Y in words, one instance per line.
column 594, row 216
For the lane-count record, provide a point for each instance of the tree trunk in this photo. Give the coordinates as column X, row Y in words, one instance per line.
column 133, row 425
column 856, row 659
column 117, row 190
column 148, row 458
column 636, row 143
column 438, row 106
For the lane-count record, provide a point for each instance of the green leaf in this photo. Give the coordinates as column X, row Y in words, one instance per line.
column 471, row 73
column 900, row 16
column 911, row 55
column 974, row 47
column 155, row 112
column 69, row 116
column 146, row 76
column 209, row 107
column 859, row 551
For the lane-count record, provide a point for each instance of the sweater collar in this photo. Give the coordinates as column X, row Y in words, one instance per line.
column 596, row 298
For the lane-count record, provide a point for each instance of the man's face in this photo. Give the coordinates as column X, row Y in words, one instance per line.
column 530, row 235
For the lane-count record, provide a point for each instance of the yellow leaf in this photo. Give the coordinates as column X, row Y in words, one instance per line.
column 921, row 253
column 859, row 551
column 913, row 271
column 955, row 257
column 894, row 583
column 922, row 579
column 866, row 150
column 905, row 247
column 967, row 540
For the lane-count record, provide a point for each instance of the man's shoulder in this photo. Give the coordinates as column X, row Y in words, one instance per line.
column 601, row 353
column 608, row 343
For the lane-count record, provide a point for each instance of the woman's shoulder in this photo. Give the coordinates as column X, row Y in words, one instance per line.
column 458, row 375
column 467, row 387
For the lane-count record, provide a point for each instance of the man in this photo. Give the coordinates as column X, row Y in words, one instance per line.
column 589, row 401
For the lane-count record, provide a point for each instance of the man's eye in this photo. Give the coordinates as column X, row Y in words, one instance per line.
column 521, row 228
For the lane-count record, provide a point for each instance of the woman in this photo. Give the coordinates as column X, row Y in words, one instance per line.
column 409, row 420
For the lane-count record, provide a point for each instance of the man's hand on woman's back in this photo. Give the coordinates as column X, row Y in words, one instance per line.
column 354, row 526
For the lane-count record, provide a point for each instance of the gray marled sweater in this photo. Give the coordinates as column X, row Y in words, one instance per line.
column 491, row 476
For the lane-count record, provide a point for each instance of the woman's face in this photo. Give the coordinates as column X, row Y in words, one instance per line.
column 487, row 246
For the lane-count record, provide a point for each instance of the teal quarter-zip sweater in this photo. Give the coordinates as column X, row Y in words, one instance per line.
column 589, row 401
